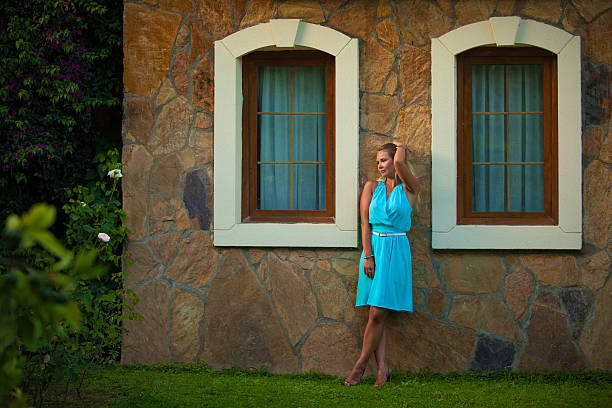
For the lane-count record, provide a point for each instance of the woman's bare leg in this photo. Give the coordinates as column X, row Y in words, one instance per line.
column 380, row 354
column 371, row 339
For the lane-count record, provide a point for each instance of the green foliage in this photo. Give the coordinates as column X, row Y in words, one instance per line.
column 60, row 67
column 91, row 210
column 36, row 281
column 96, row 209
column 60, row 105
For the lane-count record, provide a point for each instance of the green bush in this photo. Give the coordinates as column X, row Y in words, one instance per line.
column 37, row 279
column 95, row 222
column 96, row 209
column 60, row 88
column 90, row 336
column 60, row 70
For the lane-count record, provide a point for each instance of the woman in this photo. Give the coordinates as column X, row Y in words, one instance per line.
column 385, row 268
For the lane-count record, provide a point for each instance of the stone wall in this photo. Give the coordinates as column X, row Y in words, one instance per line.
column 291, row 310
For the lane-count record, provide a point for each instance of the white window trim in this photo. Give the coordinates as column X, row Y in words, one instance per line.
column 505, row 31
column 227, row 227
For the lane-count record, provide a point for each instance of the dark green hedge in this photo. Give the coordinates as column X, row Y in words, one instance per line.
column 60, row 95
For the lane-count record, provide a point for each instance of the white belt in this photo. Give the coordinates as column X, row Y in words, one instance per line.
column 384, row 234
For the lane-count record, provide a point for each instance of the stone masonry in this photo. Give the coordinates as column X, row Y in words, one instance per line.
column 291, row 309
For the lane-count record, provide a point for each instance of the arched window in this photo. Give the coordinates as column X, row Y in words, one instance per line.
column 280, row 116
column 505, row 111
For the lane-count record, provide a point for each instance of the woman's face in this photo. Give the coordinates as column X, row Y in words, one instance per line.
column 385, row 164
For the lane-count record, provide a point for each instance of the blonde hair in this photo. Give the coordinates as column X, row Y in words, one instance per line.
column 390, row 148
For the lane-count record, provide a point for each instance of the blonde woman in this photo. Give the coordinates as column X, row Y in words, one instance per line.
column 385, row 268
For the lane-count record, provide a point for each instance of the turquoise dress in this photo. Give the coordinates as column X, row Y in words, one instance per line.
column 391, row 287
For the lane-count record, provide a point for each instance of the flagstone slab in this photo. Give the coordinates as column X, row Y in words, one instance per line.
column 417, row 342
column 241, row 329
column 549, row 346
column 330, row 348
column 148, row 38
column 146, row 341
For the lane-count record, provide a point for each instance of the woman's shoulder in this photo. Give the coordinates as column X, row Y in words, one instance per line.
column 369, row 188
column 371, row 184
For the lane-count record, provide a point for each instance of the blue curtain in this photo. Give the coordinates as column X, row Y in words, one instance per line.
column 291, row 137
column 507, row 138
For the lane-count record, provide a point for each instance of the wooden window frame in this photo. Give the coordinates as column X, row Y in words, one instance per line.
column 250, row 62
column 506, row 55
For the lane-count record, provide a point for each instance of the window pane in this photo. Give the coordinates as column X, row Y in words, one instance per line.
column 525, row 93
column 488, row 84
column 309, row 89
column 527, row 138
column 274, row 190
column 488, row 138
column 309, row 138
column 527, row 188
column 274, row 89
column 274, row 137
column 488, row 188
column 309, row 187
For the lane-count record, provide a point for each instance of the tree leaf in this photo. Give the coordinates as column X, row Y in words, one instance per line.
column 40, row 216
column 51, row 244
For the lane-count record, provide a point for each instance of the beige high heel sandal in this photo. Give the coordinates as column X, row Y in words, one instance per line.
column 387, row 379
column 351, row 384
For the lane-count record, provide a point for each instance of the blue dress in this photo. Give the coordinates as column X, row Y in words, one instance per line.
column 391, row 287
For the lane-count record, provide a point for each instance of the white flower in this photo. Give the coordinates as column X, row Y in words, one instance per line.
column 103, row 237
column 115, row 173
column 83, row 204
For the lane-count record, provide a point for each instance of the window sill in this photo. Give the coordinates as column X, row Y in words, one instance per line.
column 506, row 237
column 285, row 235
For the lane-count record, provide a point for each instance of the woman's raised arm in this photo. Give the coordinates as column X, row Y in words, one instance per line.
column 411, row 184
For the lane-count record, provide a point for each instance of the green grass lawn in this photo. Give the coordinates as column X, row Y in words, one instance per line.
column 198, row 386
